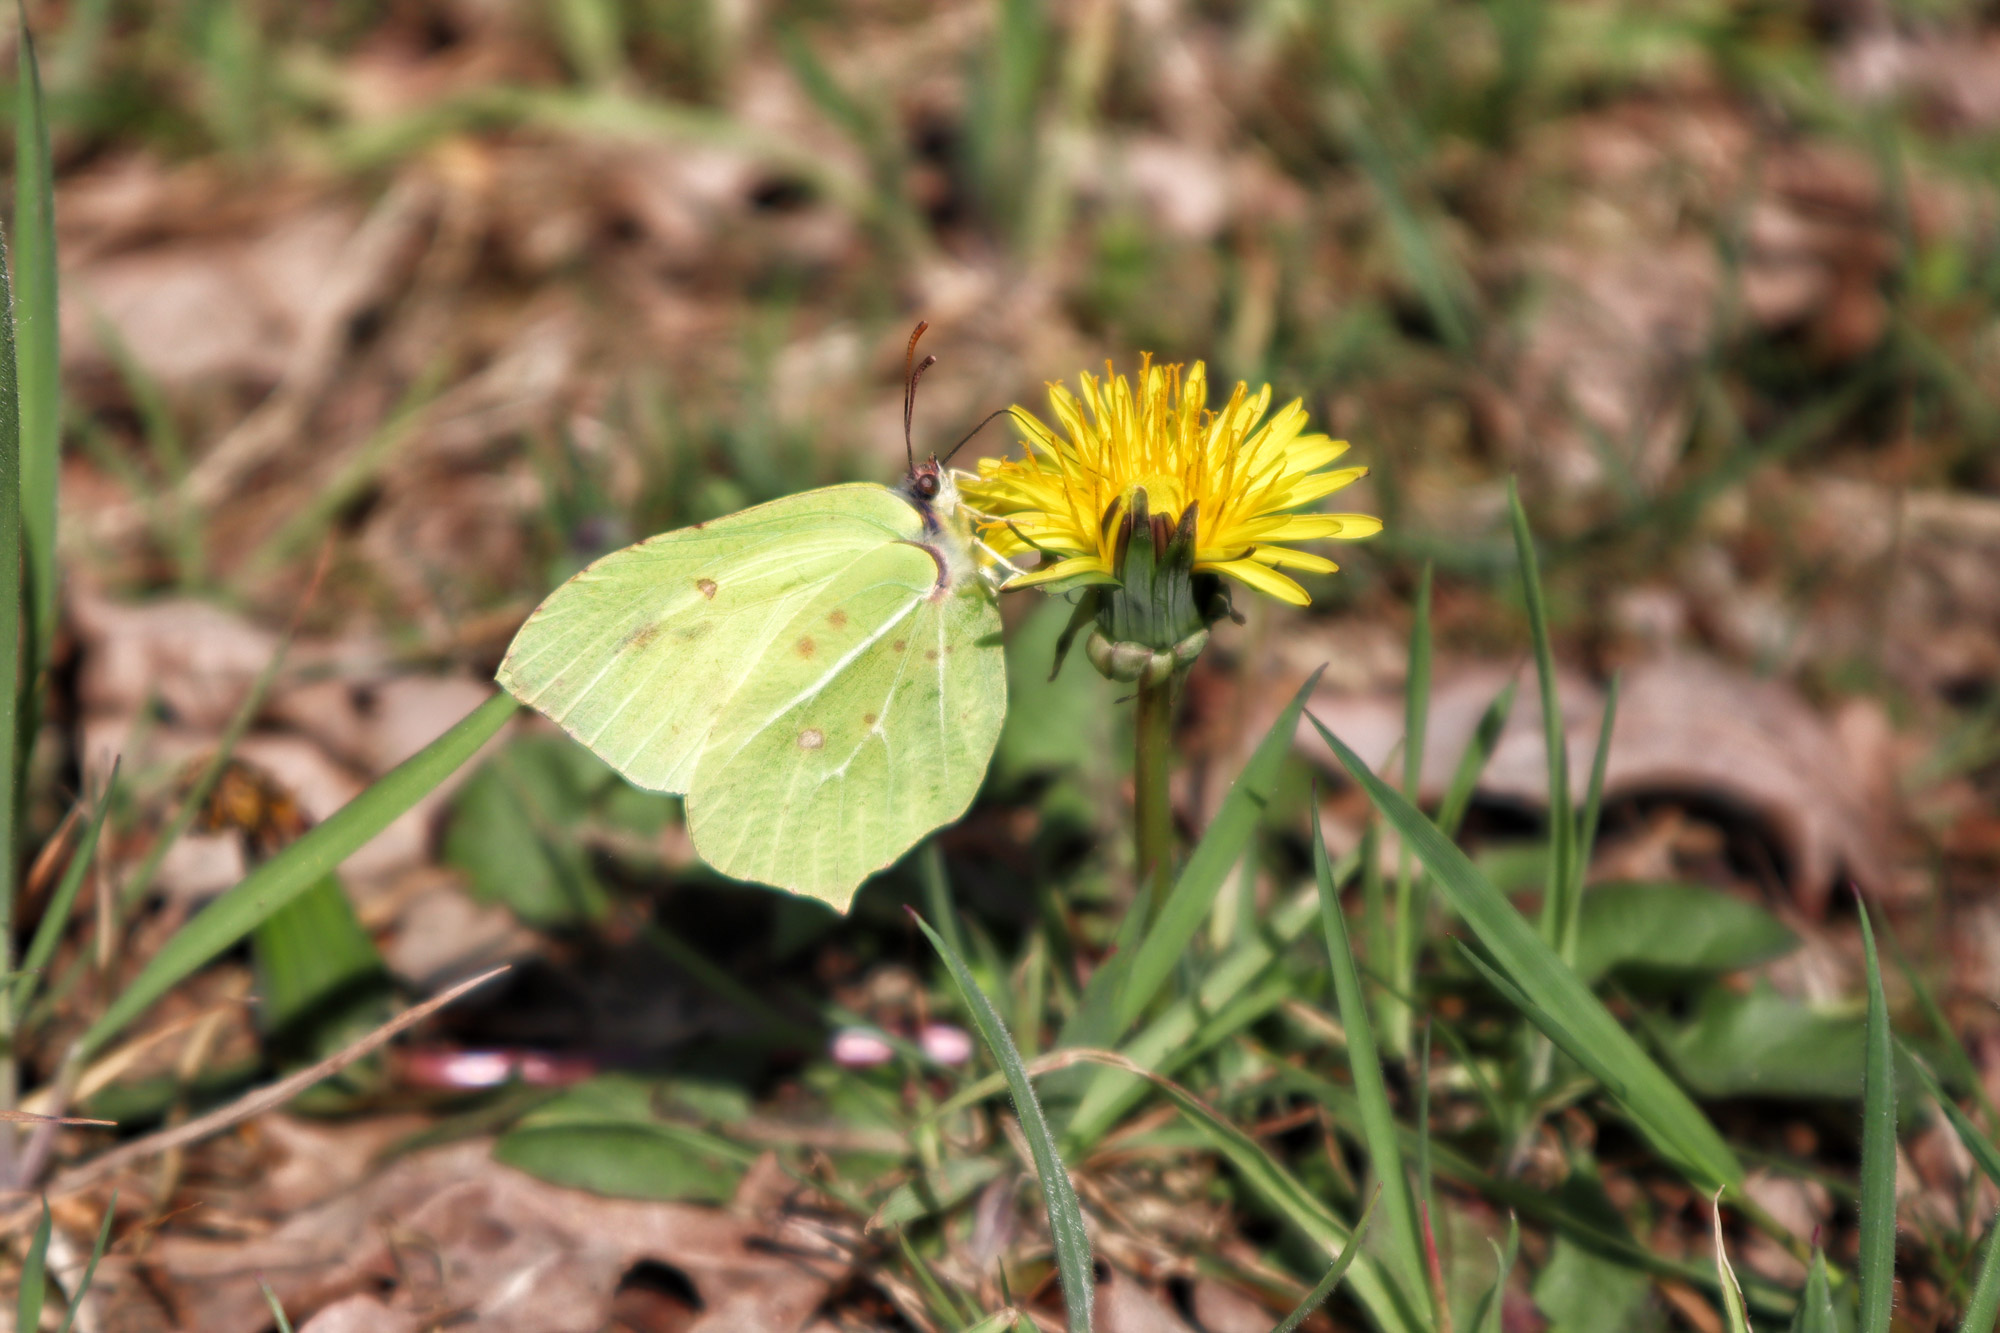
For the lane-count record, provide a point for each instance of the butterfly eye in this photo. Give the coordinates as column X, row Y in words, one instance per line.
column 927, row 486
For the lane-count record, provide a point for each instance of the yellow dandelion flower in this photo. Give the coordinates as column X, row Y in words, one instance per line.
column 1244, row 475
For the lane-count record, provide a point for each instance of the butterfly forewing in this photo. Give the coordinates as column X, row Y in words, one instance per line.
column 639, row 655
column 739, row 662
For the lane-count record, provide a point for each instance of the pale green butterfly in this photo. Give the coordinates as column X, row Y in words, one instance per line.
column 822, row 675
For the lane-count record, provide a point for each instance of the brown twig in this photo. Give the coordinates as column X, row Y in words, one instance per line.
column 250, row 1104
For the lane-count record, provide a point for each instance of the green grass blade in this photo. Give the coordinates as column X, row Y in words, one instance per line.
column 1072, row 1242
column 1656, row 1103
column 1110, row 1005
column 36, row 330
column 1815, row 1312
column 1550, row 1210
column 1465, row 778
column 1732, row 1294
column 1558, row 911
column 10, row 647
column 1548, row 1023
column 1982, row 1312
column 1489, row 1317
column 1417, row 689
column 1876, row 1269
column 55, row 916
column 1378, row 1118
column 1283, row 1193
column 277, row 1310
column 34, row 1275
column 141, row 880
column 236, row 913
column 1593, row 806
column 1956, row 1060
column 1325, row 1286
column 1411, row 907
column 1180, row 1026
column 1978, row 1145
column 90, row 1269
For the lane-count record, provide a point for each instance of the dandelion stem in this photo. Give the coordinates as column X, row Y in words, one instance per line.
column 1153, row 819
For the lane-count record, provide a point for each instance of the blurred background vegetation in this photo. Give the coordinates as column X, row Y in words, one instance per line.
column 443, row 298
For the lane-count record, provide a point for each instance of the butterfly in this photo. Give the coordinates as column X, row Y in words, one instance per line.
column 821, row 676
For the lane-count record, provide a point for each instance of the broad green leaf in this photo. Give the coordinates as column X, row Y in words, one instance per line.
column 320, row 979
column 1378, row 1117
column 1583, row 1291
column 1669, row 1119
column 608, row 1135
column 513, row 832
column 1767, row 1045
column 1673, row 929
column 794, row 670
column 230, row 918
column 629, row 1099
column 1876, row 1269
column 1072, row 1242
column 625, row 1160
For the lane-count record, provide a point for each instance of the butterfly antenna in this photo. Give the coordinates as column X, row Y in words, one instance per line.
column 912, row 372
column 974, row 431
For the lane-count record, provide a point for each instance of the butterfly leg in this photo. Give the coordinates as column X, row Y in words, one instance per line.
column 993, row 577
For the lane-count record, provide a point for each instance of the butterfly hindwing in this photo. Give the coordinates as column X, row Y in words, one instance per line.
column 684, row 660
column 827, row 780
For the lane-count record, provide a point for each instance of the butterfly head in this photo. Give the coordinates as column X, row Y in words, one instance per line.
column 928, row 486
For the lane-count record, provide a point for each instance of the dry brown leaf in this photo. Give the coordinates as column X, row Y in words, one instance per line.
column 197, row 659
column 360, row 1314
column 208, row 309
column 1221, row 1309
column 450, row 1230
column 1124, row 1306
column 1687, row 726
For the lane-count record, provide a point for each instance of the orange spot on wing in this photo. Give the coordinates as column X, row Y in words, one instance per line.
column 642, row 636
column 806, row 647
column 706, row 588
column 837, row 618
